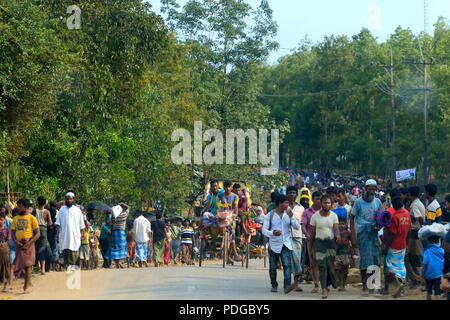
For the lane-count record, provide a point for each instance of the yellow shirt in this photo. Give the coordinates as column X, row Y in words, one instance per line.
column 24, row 226
column 86, row 238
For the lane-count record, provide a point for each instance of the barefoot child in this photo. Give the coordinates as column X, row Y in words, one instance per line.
column 342, row 261
column 25, row 232
column 5, row 236
column 131, row 246
column 85, row 250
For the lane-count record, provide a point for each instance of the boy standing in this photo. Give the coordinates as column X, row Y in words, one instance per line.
column 25, row 232
column 433, row 264
column 85, row 249
column 343, row 256
column 187, row 234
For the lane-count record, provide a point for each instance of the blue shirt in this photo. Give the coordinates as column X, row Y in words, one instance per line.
column 433, row 258
column 213, row 208
column 341, row 212
column 365, row 213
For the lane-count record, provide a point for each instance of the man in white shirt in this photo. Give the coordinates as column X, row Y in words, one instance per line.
column 296, row 237
column 143, row 230
column 70, row 230
column 276, row 227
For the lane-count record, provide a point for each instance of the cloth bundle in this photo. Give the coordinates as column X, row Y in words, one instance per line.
column 208, row 220
column 436, row 229
column 383, row 218
column 224, row 218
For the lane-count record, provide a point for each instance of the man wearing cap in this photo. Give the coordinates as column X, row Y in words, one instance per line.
column 70, row 230
column 365, row 236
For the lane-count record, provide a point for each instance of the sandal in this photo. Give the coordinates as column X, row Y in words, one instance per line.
column 315, row 290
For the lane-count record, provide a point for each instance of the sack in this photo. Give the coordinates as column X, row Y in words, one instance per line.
column 208, row 220
column 224, row 218
column 445, row 285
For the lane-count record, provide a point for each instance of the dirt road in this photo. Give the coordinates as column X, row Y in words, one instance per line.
column 173, row 283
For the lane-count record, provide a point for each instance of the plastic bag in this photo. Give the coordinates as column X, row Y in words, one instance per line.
column 436, row 229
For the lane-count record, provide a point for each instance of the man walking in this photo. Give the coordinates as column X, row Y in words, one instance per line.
column 307, row 231
column 276, row 227
column 70, row 230
column 296, row 236
column 365, row 236
column 143, row 230
column 159, row 239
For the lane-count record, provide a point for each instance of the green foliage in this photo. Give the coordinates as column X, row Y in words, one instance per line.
column 93, row 109
column 339, row 109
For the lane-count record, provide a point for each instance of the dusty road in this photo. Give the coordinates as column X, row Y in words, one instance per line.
column 173, row 283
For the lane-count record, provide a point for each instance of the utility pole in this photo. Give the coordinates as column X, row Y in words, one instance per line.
column 425, row 89
column 391, row 75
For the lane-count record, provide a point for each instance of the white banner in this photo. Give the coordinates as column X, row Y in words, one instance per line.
column 405, row 174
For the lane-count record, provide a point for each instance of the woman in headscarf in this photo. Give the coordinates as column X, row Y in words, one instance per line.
column 304, row 198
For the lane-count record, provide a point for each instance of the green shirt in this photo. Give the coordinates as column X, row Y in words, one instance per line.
column 343, row 247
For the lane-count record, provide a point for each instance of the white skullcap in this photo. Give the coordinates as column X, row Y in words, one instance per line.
column 371, row 182
column 259, row 209
column 70, row 194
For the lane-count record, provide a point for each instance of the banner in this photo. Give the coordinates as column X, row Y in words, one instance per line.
column 405, row 174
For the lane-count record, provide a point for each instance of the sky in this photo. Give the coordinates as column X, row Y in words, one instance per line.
column 314, row 19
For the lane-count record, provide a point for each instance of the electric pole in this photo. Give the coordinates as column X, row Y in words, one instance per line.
column 425, row 89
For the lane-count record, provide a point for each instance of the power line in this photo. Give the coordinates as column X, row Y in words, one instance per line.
column 318, row 92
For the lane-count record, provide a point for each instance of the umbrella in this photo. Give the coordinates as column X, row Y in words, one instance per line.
column 99, row 206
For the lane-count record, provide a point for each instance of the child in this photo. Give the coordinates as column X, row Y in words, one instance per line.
column 11, row 245
column 25, row 232
column 343, row 256
column 84, row 248
column 433, row 264
column 196, row 239
column 93, row 242
column 106, row 241
column 5, row 236
column 131, row 246
column 187, row 234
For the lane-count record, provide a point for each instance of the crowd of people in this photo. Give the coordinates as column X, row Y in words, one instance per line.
column 314, row 232
column 53, row 237
column 317, row 237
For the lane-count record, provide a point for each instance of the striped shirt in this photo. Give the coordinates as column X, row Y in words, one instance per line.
column 187, row 235
column 433, row 212
column 120, row 221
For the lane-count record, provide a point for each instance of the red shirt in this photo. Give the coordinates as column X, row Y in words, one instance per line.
column 400, row 226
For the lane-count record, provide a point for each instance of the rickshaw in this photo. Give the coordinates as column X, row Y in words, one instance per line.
column 253, row 242
column 216, row 238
